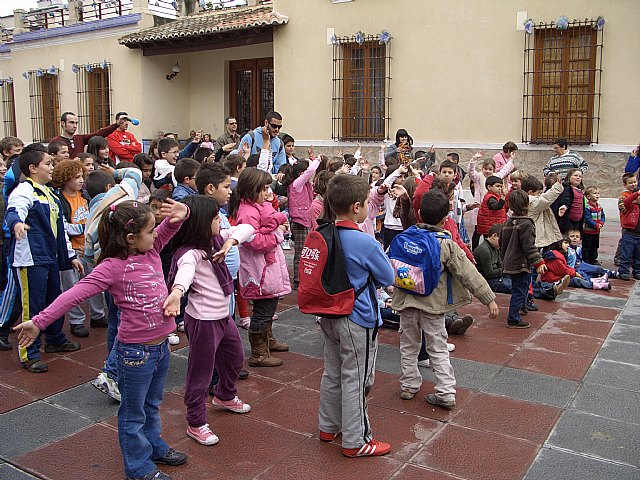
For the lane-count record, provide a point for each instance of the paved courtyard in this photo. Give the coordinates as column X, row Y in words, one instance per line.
column 558, row 401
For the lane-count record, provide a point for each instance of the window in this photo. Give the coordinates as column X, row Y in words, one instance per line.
column 94, row 96
column 44, row 95
column 250, row 91
column 562, row 84
column 360, row 85
column 8, row 108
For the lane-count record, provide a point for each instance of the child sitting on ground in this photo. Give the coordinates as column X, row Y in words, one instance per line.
column 588, row 271
column 420, row 314
column 488, row 261
column 556, row 261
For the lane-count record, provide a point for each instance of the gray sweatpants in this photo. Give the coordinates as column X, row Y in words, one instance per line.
column 412, row 323
column 349, row 371
column 97, row 306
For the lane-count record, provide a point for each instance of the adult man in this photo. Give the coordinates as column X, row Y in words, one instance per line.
column 76, row 143
column 123, row 146
column 564, row 160
column 272, row 126
column 229, row 137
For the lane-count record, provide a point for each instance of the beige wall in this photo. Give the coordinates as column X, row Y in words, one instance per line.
column 457, row 67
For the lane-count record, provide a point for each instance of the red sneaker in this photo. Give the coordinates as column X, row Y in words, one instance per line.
column 372, row 449
column 328, row 437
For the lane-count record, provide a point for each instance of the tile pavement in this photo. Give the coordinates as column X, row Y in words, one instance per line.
column 556, row 401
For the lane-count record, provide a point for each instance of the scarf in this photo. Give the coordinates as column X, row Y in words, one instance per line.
column 219, row 268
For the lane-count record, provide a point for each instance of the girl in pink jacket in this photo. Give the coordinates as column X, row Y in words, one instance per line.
column 263, row 274
column 299, row 186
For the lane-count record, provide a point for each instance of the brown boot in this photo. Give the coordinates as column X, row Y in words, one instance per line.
column 274, row 345
column 260, row 356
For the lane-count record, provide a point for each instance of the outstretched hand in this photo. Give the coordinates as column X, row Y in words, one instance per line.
column 222, row 253
column 171, row 305
column 176, row 211
column 493, row 309
column 27, row 333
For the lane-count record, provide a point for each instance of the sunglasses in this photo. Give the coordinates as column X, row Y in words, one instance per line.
column 274, row 126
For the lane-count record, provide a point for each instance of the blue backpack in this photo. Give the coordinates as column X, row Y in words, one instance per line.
column 415, row 256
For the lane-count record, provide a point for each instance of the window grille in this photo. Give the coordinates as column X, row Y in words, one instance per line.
column 8, row 109
column 94, row 96
column 44, row 96
column 361, row 80
column 562, row 83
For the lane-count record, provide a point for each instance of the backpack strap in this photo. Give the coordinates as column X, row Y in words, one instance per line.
column 449, row 289
column 253, row 140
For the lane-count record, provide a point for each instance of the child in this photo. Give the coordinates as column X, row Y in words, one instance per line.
column 88, row 162
column 145, row 163
column 519, row 253
column 539, row 210
column 206, row 142
column 129, row 268
column 350, row 343
column 99, row 147
column 289, row 149
column 40, row 248
column 594, row 219
column 320, row 183
column 234, row 164
column 10, row 146
column 630, row 182
column 507, row 154
column 263, row 274
column 68, row 177
column 59, row 151
column 157, row 199
column 492, row 209
column 396, row 175
column 630, row 247
column 299, row 185
column 185, row 175
column 572, row 199
column 488, row 261
column 556, row 261
column 590, row 273
column 168, row 149
column 214, row 341
column 488, row 169
column 425, row 314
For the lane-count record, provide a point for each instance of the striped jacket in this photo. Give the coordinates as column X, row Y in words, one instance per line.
column 46, row 242
column 563, row 163
column 594, row 218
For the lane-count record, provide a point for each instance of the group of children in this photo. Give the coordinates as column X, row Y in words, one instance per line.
column 172, row 242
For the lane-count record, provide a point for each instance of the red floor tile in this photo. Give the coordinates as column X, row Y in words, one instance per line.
column 315, row 460
column 9, row 361
column 293, row 408
column 476, row 347
column 389, row 397
column 389, row 337
column 62, row 374
column 312, row 380
column 578, row 326
column 405, row 432
column 295, row 366
column 411, row 472
column 561, row 365
column 493, row 413
column 11, row 398
column 257, row 387
column 91, row 357
column 570, row 310
column 476, row 455
column 565, row 343
column 92, row 453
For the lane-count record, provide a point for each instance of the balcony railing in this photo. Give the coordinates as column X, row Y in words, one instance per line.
column 88, row 12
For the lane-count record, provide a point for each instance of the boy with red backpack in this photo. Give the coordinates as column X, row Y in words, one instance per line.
column 422, row 299
column 350, row 340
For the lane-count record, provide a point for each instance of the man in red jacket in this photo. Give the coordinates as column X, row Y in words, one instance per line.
column 123, row 146
column 76, row 143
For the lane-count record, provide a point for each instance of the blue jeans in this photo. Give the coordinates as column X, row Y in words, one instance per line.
column 111, row 365
column 519, row 292
column 590, row 270
column 500, row 285
column 142, row 372
column 630, row 257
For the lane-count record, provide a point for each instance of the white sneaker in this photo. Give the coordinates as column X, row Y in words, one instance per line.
column 107, row 385
column 181, row 327
column 174, row 339
column 450, row 347
column 286, row 245
column 423, row 363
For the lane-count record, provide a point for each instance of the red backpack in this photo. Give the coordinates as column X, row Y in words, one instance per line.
column 325, row 289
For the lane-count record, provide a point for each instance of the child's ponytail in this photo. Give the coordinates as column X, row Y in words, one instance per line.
column 294, row 172
column 116, row 223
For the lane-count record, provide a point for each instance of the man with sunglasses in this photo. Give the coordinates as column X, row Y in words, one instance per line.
column 229, row 139
column 270, row 129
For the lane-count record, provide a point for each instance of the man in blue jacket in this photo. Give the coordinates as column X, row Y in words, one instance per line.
column 272, row 125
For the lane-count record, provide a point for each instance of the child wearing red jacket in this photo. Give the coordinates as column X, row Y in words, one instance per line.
column 630, row 244
column 557, row 267
column 492, row 208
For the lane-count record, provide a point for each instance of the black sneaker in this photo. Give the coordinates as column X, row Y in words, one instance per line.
column 79, row 331
column 157, row 475
column 520, row 324
column 529, row 305
column 65, row 347
column 35, row 366
column 467, row 321
column 99, row 322
column 524, row 311
column 243, row 375
column 5, row 344
column 172, row 458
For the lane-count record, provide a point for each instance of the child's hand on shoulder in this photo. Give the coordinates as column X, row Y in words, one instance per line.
column 171, row 305
column 27, row 333
column 176, row 211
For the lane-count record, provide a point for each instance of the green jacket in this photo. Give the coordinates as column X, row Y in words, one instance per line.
column 465, row 280
column 488, row 260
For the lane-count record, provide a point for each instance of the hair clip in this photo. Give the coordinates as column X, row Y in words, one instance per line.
column 128, row 224
column 112, row 207
column 135, row 204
